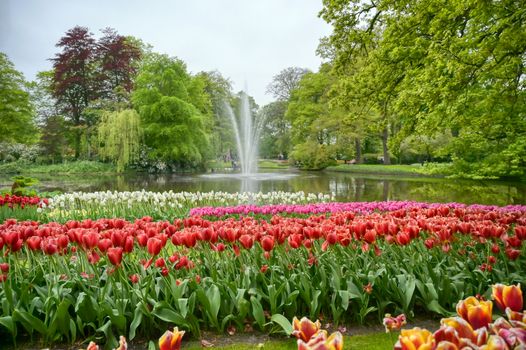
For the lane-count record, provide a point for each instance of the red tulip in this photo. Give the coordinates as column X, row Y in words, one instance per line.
column 134, row 278
column 90, row 239
column 267, row 243
column 115, row 255
column 246, row 241
column 104, row 244
column 128, row 244
column 154, row 246
column 370, row 236
column 4, row 267
column 402, row 238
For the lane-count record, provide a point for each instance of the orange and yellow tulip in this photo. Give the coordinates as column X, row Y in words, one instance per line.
column 321, row 342
column 495, row 343
column 516, row 316
column 508, row 297
column 446, row 345
column 171, row 340
column 305, row 329
column 415, row 339
column 461, row 326
column 477, row 313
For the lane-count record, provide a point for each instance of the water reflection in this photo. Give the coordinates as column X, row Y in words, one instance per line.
column 346, row 187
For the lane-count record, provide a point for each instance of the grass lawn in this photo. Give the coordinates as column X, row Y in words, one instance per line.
column 397, row 169
column 262, row 163
column 373, row 341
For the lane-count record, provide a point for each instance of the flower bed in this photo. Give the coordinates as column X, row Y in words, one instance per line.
column 334, row 207
column 160, row 205
column 106, row 277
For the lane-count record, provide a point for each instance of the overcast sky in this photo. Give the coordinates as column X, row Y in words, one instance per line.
column 246, row 40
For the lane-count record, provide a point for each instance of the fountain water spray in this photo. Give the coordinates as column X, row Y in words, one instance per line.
column 247, row 132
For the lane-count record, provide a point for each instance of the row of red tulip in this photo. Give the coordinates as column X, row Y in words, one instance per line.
column 21, row 201
column 114, row 237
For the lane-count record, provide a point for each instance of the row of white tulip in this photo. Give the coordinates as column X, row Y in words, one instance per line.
column 163, row 204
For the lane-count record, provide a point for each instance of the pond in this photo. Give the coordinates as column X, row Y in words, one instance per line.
column 346, row 187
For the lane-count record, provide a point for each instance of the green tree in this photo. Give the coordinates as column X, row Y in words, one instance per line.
column 275, row 137
column 119, row 137
column 440, row 66
column 173, row 108
column 16, row 112
column 219, row 90
column 313, row 121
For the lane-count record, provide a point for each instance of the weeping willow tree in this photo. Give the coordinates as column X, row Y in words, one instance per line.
column 119, row 137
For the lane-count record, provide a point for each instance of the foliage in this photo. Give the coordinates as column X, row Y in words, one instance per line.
column 23, row 186
column 76, row 167
column 87, row 73
column 16, row 112
column 120, row 135
column 10, row 152
column 275, row 136
column 173, row 108
column 119, row 57
column 429, row 66
column 315, row 135
column 221, row 135
column 312, row 156
column 285, row 82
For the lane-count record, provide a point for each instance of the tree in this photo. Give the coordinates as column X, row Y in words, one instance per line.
column 119, row 136
column 219, row 90
column 314, row 123
column 16, row 112
column 285, row 82
column 171, row 108
column 275, row 138
column 119, row 57
column 53, row 127
column 74, row 82
column 435, row 66
column 90, row 76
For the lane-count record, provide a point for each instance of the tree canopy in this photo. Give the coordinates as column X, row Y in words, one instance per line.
column 16, row 112
column 173, row 110
column 437, row 66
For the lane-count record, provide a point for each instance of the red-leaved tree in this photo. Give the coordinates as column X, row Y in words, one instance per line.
column 74, row 81
column 87, row 70
column 118, row 57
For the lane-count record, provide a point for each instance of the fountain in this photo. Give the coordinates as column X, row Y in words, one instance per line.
column 247, row 131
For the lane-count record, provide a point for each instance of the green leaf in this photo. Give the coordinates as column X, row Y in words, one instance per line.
column 283, row 322
column 29, row 322
column 7, row 322
column 137, row 319
column 257, row 312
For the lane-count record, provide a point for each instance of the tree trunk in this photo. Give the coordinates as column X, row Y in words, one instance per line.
column 385, row 135
column 358, row 147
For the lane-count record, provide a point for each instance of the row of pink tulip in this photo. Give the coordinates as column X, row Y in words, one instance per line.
column 361, row 207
